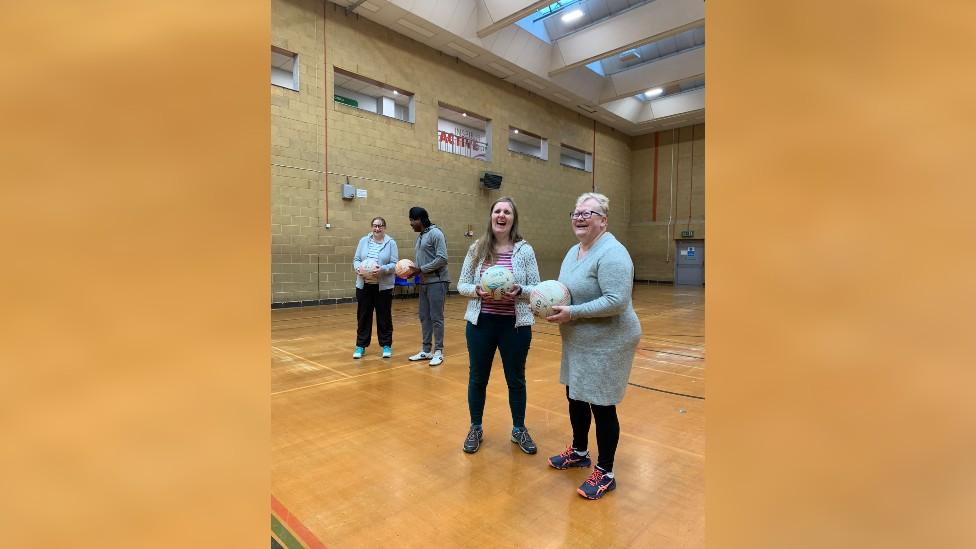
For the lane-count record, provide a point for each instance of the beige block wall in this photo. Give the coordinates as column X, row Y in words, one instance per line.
column 299, row 261
column 681, row 156
column 401, row 162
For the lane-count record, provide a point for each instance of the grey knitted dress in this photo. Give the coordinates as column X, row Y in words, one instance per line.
column 600, row 341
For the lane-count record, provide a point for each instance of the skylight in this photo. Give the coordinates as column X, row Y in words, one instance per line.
column 535, row 22
column 555, row 8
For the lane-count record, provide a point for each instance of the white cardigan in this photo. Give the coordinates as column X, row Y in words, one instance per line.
column 526, row 272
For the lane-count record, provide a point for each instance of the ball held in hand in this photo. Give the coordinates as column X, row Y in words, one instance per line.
column 403, row 267
column 497, row 280
column 546, row 294
column 367, row 267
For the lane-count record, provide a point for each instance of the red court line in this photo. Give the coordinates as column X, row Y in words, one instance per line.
column 296, row 525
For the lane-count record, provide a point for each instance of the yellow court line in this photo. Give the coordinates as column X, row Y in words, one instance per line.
column 310, row 361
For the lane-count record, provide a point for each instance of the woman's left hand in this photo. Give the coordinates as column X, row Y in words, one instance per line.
column 561, row 315
column 511, row 295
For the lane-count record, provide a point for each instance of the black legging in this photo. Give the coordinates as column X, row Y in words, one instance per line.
column 607, row 429
column 370, row 297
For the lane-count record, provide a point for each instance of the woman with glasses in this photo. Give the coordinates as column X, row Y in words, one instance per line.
column 504, row 324
column 600, row 332
column 374, row 288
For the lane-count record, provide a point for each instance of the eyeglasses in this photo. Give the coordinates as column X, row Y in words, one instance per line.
column 379, row 226
column 586, row 214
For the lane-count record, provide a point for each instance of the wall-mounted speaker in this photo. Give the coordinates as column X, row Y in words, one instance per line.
column 491, row 181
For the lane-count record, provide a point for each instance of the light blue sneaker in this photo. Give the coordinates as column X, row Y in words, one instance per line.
column 358, row 353
column 387, row 351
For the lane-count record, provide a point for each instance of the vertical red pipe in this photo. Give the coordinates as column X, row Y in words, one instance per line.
column 657, row 137
column 325, row 113
column 691, row 184
column 593, row 183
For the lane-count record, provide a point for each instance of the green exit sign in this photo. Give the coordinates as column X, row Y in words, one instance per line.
column 346, row 101
column 686, row 234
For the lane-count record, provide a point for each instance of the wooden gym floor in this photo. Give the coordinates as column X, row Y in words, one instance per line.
column 367, row 453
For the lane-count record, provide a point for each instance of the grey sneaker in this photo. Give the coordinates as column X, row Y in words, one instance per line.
column 437, row 358
column 422, row 355
column 522, row 438
column 473, row 441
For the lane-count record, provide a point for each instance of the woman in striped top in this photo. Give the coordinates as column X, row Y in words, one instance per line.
column 504, row 324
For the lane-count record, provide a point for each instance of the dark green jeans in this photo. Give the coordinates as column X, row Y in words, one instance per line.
column 497, row 332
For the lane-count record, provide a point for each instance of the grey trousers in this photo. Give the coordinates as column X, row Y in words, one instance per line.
column 432, row 298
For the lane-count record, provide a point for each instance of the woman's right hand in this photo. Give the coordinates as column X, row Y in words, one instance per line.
column 481, row 293
column 560, row 315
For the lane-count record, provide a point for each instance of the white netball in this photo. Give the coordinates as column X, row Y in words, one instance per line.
column 497, row 280
column 367, row 266
column 403, row 266
column 546, row 294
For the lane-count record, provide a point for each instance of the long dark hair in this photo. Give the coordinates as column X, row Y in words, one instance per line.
column 484, row 247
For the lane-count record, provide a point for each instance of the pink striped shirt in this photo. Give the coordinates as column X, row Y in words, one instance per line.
column 493, row 306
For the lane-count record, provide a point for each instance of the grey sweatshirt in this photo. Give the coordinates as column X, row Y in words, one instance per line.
column 431, row 255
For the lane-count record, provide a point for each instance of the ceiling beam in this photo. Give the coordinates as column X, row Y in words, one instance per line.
column 628, row 108
column 679, row 103
column 673, row 68
column 644, row 112
column 626, row 30
column 519, row 57
column 502, row 13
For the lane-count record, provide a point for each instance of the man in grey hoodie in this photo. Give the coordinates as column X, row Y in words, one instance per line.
column 431, row 261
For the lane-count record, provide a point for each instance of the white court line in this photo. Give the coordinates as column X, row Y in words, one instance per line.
column 488, row 394
column 638, row 357
column 310, row 361
column 672, row 373
column 501, row 396
column 343, row 379
column 414, row 363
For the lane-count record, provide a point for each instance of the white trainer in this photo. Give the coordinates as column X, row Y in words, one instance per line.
column 437, row 358
column 420, row 356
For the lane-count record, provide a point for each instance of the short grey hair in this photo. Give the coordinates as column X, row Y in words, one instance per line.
column 601, row 199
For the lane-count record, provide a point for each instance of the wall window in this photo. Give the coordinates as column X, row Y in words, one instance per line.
column 284, row 68
column 463, row 132
column 357, row 91
column 575, row 158
column 524, row 142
